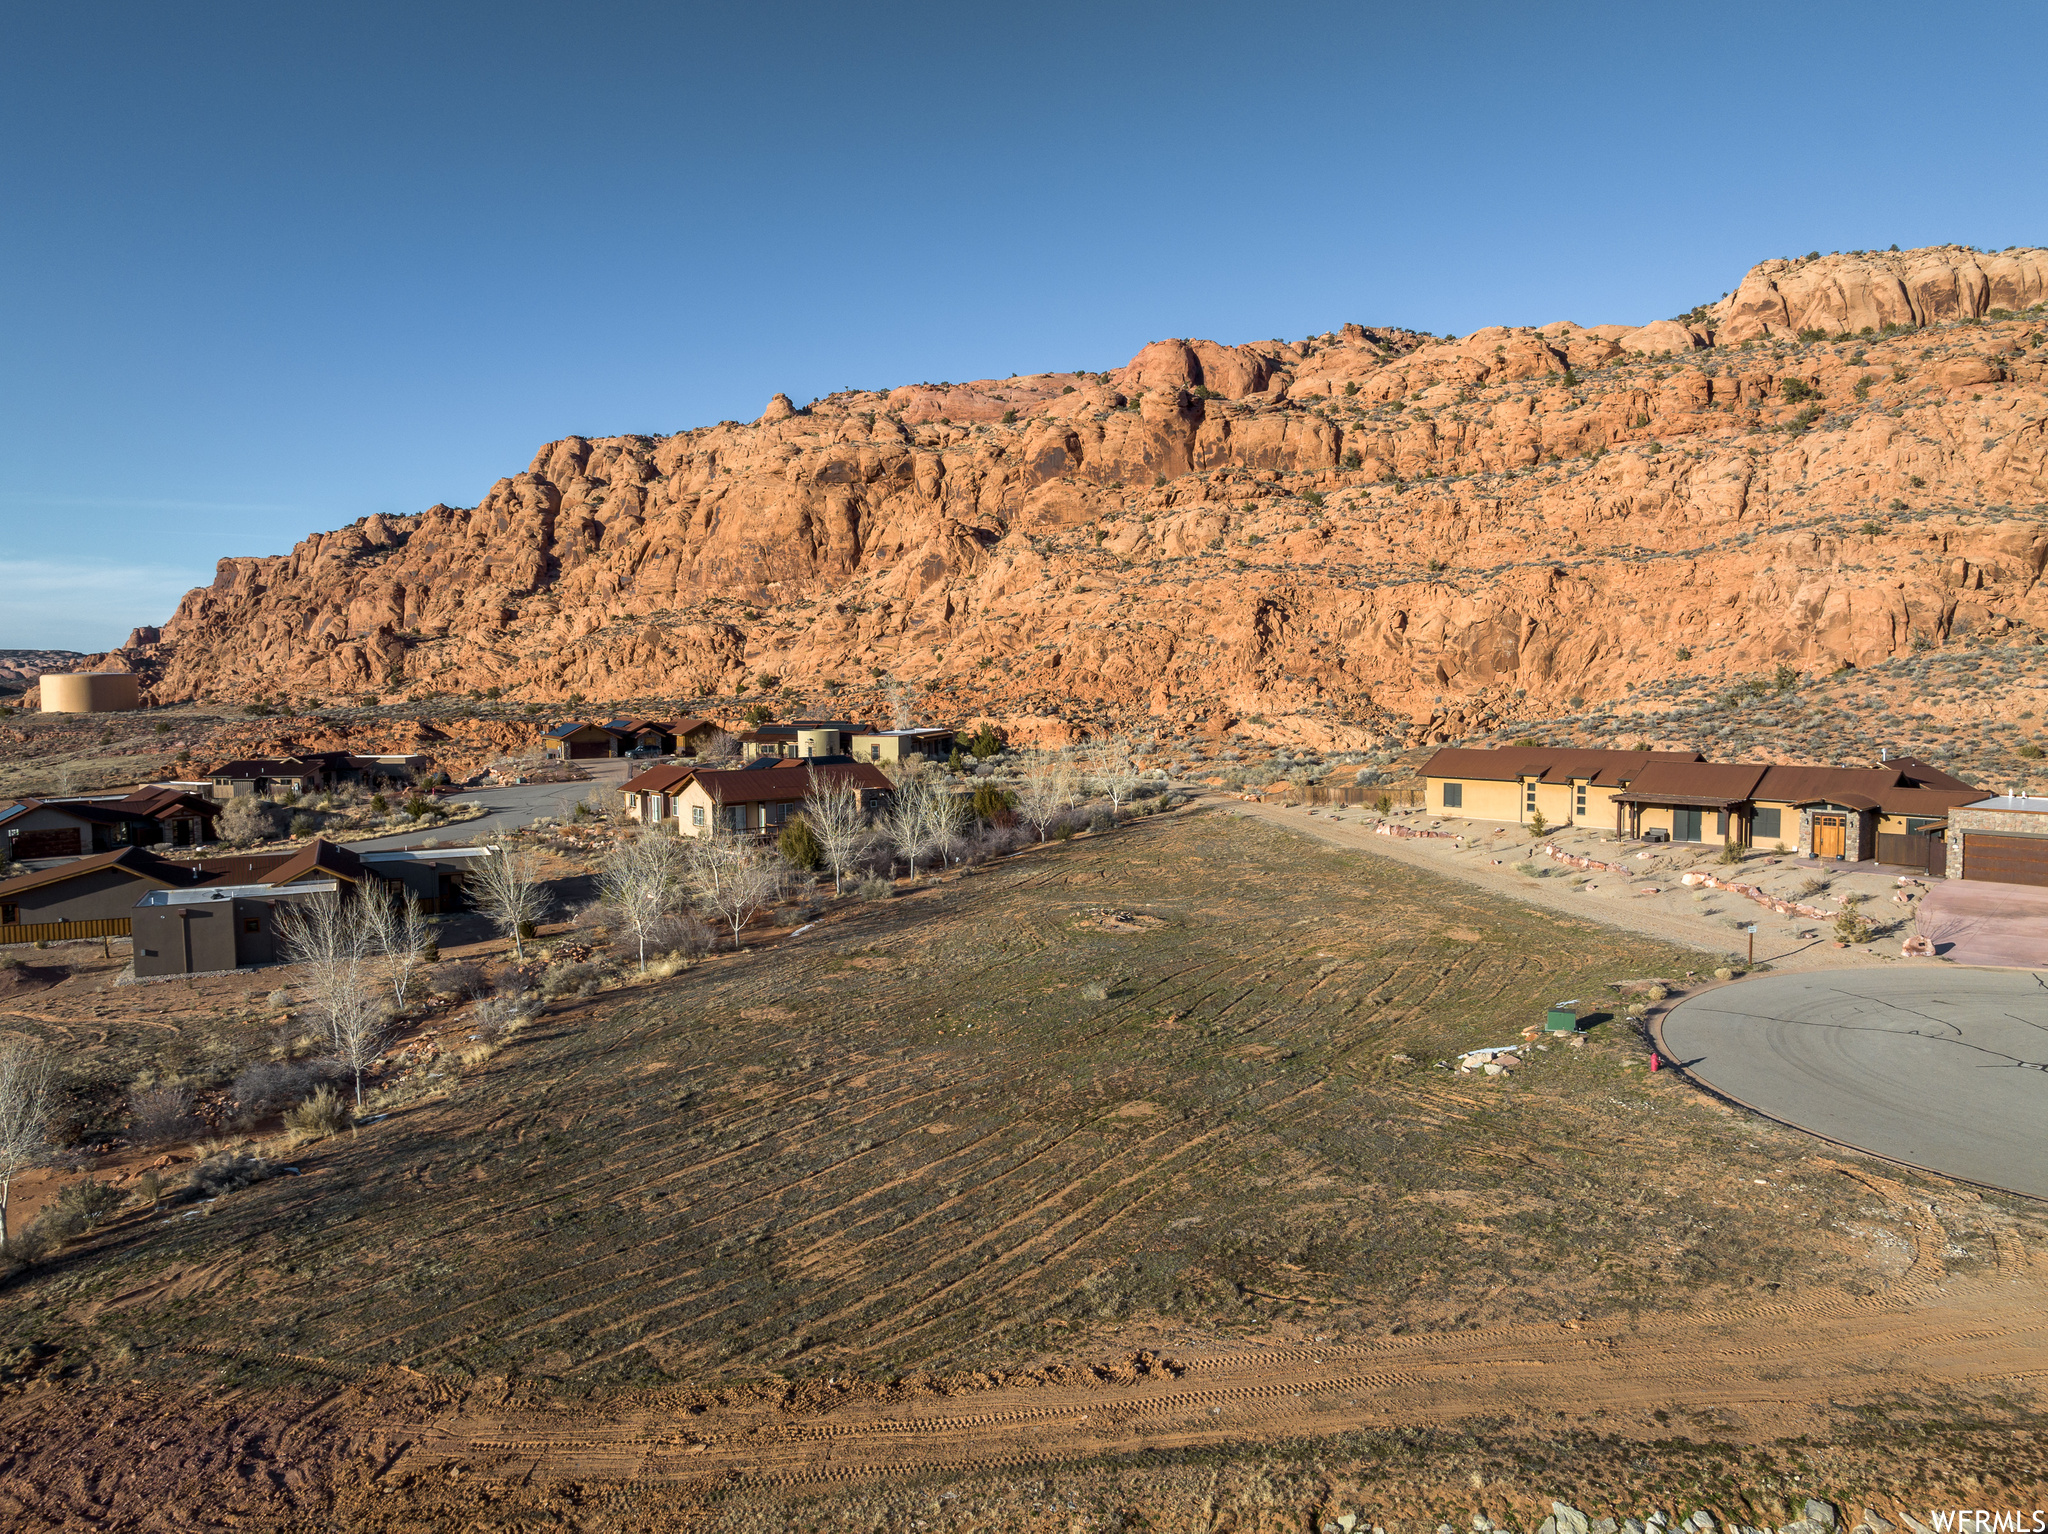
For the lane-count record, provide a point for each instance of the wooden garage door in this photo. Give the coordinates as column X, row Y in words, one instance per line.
column 2005, row 859
column 588, row 748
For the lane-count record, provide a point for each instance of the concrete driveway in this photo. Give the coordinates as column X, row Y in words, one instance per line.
column 1973, row 921
column 1942, row 1069
column 510, row 807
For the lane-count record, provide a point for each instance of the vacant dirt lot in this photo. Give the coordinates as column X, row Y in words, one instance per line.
column 1120, row 1175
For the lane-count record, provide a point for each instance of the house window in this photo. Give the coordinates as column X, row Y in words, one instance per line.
column 696, row 814
column 251, row 924
column 1768, row 824
column 10, row 915
column 1454, row 796
column 1529, row 796
column 149, row 953
column 1579, row 800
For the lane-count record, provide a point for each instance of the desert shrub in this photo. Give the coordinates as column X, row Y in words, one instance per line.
column 1095, row 990
column 568, row 980
column 1812, row 887
column 324, row 1113
column 248, row 819
column 1529, row 870
column 460, row 980
column 160, row 1114
column 873, row 887
column 82, row 1206
column 503, row 1014
column 149, row 1187
column 475, row 1056
column 227, row 1173
column 278, row 999
column 304, row 825
column 1852, row 926
column 32, row 1243
column 1655, row 993
column 1638, row 1009
column 1731, row 854
column 10, row 961
column 1102, row 820
column 270, row 1086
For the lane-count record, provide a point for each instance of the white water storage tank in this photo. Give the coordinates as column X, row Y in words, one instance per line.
column 817, row 743
column 89, row 692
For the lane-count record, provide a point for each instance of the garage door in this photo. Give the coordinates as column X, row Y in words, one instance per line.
column 583, row 748
column 2005, row 859
column 48, row 844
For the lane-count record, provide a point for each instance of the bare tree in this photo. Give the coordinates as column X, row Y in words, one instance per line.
column 946, row 816
column 1045, row 788
column 718, row 746
column 335, row 944
column 508, row 889
column 397, row 934
column 834, row 810
column 28, row 1094
column 641, row 878
column 911, row 821
column 1113, row 763
column 753, row 876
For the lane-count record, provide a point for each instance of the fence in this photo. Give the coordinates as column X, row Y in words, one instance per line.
column 1914, row 850
column 61, row 931
column 1322, row 793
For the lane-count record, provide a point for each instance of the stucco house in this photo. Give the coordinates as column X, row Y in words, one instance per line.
column 759, row 799
column 1891, row 811
column 81, row 825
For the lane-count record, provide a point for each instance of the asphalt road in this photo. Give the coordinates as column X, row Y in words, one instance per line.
column 510, row 807
column 1942, row 1069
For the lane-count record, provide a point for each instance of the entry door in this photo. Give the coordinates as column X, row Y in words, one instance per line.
column 1685, row 825
column 1830, row 835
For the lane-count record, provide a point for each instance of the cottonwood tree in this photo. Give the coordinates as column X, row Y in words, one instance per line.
column 1044, row 789
column 398, row 935
column 718, row 746
column 28, row 1095
column 751, row 879
column 334, row 943
column 507, row 888
column 948, row 814
column 834, row 810
column 912, row 822
column 641, row 879
column 1113, row 763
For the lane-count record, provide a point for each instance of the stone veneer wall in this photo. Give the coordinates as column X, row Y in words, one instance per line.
column 2001, row 822
column 1854, row 846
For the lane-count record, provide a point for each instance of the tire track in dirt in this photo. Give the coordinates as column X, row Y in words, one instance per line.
column 1968, row 1335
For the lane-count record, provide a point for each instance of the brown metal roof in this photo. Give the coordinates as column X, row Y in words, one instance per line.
column 136, row 862
column 1718, row 783
column 1548, row 764
column 665, row 779
column 738, row 787
column 322, row 858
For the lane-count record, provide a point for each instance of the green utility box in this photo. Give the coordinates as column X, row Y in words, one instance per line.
column 1560, row 1020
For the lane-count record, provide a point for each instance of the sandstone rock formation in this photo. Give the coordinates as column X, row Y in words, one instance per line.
column 1364, row 535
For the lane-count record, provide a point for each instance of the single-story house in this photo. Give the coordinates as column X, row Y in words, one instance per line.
column 2003, row 839
column 582, row 740
column 80, row 825
column 1888, row 811
column 760, row 798
column 1566, row 785
column 902, row 745
column 306, row 772
column 799, row 738
column 197, row 931
column 96, row 896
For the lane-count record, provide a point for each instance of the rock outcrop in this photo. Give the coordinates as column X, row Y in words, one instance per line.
column 1364, row 535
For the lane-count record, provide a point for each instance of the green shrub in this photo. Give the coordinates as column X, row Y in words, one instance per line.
column 799, row 845
column 993, row 804
column 1793, row 390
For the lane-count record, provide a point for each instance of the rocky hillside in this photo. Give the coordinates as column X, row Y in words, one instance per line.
column 1357, row 538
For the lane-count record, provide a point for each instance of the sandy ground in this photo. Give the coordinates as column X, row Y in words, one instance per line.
column 1649, row 899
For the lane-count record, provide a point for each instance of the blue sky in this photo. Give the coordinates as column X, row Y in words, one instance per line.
column 268, row 269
